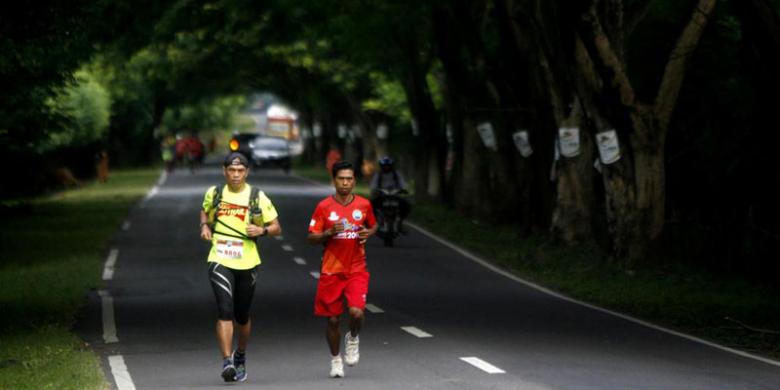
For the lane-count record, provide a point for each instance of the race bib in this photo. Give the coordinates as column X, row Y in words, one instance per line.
column 230, row 249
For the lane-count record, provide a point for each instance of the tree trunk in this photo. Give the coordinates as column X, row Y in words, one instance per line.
column 572, row 217
column 370, row 143
column 428, row 158
column 634, row 186
column 470, row 171
column 471, row 192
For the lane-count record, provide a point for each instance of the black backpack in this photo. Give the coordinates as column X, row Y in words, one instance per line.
column 254, row 209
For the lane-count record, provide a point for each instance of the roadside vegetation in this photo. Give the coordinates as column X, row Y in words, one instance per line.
column 721, row 307
column 53, row 249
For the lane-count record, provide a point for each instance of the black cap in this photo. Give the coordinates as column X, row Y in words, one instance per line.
column 236, row 158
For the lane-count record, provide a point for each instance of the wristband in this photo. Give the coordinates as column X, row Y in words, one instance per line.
column 202, row 224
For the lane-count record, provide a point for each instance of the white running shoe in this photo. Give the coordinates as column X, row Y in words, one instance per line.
column 336, row 367
column 351, row 349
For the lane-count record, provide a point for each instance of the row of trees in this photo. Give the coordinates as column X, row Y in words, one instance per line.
column 84, row 77
column 618, row 72
column 504, row 106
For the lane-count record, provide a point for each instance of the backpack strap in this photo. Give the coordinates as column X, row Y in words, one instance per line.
column 254, row 208
column 215, row 201
column 217, row 196
column 254, row 201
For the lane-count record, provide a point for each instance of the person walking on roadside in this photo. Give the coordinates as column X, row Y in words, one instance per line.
column 342, row 223
column 234, row 215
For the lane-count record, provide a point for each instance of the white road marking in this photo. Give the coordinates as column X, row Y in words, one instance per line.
column 126, row 226
column 152, row 192
column 109, row 325
column 547, row 291
column 416, row 332
column 163, row 177
column 314, row 274
column 120, row 373
column 287, row 248
column 299, row 260
column 149, row 195
column 373, row 308
column 108, row 269
column 278, row 238
column 483, row 365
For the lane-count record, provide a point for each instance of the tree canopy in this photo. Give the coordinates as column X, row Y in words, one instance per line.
column 629, row 123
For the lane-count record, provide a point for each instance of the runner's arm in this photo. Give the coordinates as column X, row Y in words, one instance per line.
column 365, row 233
column 272, row 228
column 324, row 236
column 205, row 230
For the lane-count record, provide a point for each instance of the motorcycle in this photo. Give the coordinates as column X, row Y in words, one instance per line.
column 389, row 215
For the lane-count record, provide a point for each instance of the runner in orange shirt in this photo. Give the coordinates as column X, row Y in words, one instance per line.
column 342, row 223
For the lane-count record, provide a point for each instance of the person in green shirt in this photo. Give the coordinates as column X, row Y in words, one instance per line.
column 232, row 218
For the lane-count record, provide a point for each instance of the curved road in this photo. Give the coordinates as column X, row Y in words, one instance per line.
column 437, row 319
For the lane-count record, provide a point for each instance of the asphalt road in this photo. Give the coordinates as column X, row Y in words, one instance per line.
column 161, row 332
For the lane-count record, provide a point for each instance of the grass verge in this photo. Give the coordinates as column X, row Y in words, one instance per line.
column 726, row 309
column 53, row 248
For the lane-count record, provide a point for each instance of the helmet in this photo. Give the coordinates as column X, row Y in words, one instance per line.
column 385, row 161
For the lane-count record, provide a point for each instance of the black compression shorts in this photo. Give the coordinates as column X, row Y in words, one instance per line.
column 233, row 289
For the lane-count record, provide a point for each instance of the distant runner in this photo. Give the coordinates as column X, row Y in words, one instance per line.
column 239, row 213
column 342, row 222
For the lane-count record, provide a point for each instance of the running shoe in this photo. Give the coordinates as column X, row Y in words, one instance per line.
column 239, row 361
column 336, row 367
column 228, row 370
column 351, row 349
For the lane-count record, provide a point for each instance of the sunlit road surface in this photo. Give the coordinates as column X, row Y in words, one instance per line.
column 436, row 319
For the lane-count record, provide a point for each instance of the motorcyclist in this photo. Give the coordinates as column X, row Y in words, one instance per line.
column 389, row 179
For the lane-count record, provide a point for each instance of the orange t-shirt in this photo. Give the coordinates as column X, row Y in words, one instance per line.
column 343, row 253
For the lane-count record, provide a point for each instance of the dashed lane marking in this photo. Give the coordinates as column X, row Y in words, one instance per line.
column 278, row 238
column 373, row 308
column 149, row 195
column 108, row 269
column 163, row 178
column 299, row 260
column 109, row 325
column 120, row 373
column 416, row 332
column 287, row 248
column 482, row 365
column 126, row 226
column 314, row 274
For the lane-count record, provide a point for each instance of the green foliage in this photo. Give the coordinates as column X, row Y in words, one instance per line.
column 41, row 45
column 85, row 105
column 212, row 114
column 49, row 358
column 57, row 242
column 389, row 98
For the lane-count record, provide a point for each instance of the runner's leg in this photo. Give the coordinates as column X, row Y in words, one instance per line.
column 356, row 318
column 355, row 292
column 222, row 283
column 329, row 303
column 245, row 290
column 225, row 337
column 333, row 335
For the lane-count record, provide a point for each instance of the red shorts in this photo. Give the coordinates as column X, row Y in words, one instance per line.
column 332, row 289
